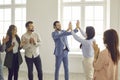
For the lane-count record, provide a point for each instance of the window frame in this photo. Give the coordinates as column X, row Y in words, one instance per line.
column 83, row 4
column 12, row 6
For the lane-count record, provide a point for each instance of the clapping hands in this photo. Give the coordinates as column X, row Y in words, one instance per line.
column 32, row 41
column 5, row 40
column 96, row 50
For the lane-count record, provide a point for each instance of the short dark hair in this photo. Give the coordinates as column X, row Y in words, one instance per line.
column 90, row 31
column 27, row 23
column 54, row 24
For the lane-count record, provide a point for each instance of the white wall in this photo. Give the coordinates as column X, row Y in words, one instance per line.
column 44, row 13
column 115, row 14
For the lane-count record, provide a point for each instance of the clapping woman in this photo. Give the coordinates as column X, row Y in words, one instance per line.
column 106, row 61
column 13, row 57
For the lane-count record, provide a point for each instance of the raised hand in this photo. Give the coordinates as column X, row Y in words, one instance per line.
column 69, row 26
column 77, row 24
column 23, row 43
column 32, row 41
column 96, row 50
column 5, row 40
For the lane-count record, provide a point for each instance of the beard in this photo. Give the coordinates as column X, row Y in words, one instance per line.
column 58, row 29
column 32, row 30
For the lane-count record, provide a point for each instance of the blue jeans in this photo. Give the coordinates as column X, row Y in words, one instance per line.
column 38, row 65
column 1, row 72
column 59, row 59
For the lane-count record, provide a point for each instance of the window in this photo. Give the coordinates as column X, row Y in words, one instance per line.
column 89, row 12
column 12, row 12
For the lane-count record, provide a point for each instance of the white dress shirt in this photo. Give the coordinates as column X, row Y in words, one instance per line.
column 31, row 50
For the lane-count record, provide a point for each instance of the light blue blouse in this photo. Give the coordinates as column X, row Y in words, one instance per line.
column 87, row 47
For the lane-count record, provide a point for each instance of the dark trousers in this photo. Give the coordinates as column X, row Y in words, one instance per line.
column 13, row 71
column 37, row 62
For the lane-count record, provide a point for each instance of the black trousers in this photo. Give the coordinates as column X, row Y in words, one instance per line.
column 37, row 62
column 13, row 71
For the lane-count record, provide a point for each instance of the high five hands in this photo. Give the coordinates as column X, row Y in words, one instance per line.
column 77, row 24
column 70, row 26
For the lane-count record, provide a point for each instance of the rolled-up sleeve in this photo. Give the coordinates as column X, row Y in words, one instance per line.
column 39, row 41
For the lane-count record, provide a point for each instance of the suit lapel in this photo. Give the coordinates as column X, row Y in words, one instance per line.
column 63, row 39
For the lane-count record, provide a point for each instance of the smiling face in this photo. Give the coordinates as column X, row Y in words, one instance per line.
column 14, row 31
column 30, row 27
column 58, row 26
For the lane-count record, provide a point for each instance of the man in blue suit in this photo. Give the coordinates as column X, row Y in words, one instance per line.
column 61, row 48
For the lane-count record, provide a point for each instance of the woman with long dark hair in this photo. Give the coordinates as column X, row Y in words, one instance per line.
column 13, row 57
column 106, row 61
column 87, row 49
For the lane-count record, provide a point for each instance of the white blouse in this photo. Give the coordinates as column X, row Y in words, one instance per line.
column 15, row 48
